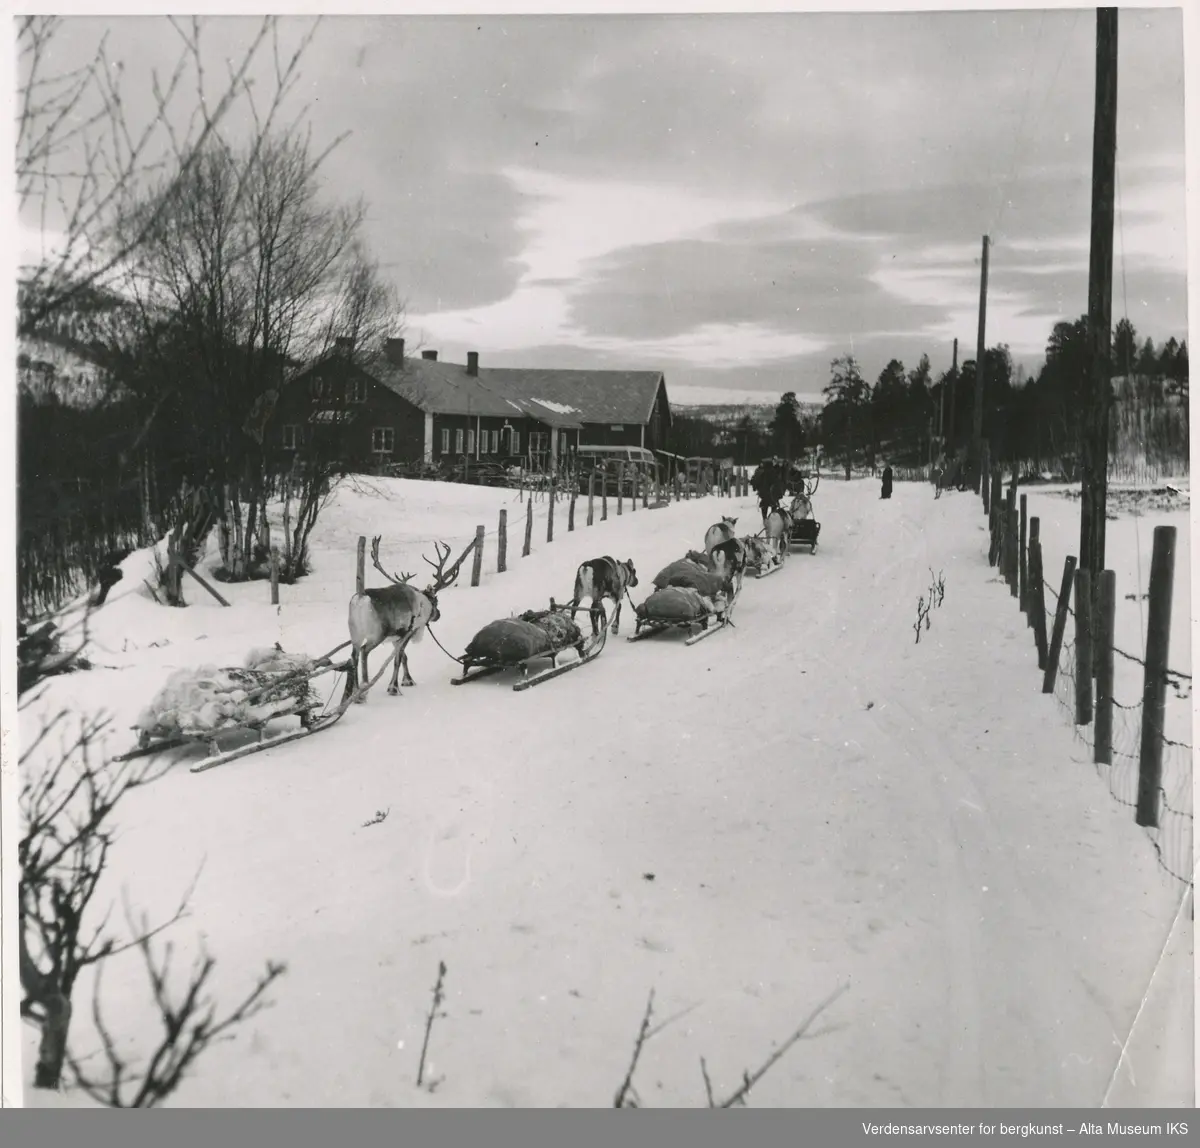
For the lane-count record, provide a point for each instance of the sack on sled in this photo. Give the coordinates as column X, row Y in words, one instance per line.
column 690, row 575
column 676, row 604
column 512, row 640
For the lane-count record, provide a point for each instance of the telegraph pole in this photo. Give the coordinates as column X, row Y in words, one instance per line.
column 1094, row 478
column 977, row 427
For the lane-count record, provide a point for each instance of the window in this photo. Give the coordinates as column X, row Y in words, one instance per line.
column 562, row 443
column 356, row 391
column 470, row 442
column 515, row 447
column 383, row 440
column 317, row 387
column 538, row 443
column 445, row 440
column 291, row 437
column 495, row 442
column 458, row 441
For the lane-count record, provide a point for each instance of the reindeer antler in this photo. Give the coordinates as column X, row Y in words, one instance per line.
column 402, row 580
column 441, row 576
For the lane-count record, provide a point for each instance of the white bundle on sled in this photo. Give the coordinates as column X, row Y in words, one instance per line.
column 197, row 702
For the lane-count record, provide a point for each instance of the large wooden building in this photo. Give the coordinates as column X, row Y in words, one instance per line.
column 399, row 408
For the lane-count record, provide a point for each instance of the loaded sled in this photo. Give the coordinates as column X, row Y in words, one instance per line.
column 804, row 532
column 682, row 608
column 688, row 594
column 521, row 642
column 206, row 705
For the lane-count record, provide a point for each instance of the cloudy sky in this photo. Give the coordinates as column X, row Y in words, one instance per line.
column 736, row 199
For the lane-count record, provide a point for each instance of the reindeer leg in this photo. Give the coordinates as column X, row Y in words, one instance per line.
column 408, row 678
column 366, row 674
column 616, row 623
column 394, row 684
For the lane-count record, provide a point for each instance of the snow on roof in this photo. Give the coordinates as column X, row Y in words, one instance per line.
column 560, row 408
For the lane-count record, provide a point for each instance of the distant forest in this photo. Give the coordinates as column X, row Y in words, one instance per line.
column 1033, row 423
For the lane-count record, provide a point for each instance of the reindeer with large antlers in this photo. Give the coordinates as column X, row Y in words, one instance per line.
column 398, row 613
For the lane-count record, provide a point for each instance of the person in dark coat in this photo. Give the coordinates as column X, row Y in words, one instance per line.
column 886, row 488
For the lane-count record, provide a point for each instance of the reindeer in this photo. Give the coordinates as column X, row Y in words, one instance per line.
column 778, row 530
column 802, row 501
column 729, row 558
column 719, row 532
column 398, row 613
column 601, row 578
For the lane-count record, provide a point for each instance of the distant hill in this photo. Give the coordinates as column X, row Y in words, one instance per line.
column 730, row 414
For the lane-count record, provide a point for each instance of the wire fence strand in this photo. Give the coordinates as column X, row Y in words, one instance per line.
column 1172, row 839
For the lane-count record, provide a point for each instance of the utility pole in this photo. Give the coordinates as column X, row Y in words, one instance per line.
column 977, row 426
column 1094, row 478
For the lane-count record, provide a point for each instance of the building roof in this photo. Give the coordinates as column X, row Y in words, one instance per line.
column 559, row 398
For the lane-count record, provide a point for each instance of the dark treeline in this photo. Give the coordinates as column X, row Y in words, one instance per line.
column 910, row 416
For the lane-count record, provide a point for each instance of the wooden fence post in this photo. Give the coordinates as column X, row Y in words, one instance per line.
column 477, row 557
column 604, row 499
column 360, row 570
column 591, row 497
column 1083, row 647
column 620, row 488
column 571, row 512
column 985, row 478
column 502, row 543
column 1060, row 624
column 528, row 527
column 1014, row 557
column 1038, row 589
column 1106, row 604
column 550, row 512
column 1023, row 559
column 1154, row 681
column 645, row 492
column 274, row 575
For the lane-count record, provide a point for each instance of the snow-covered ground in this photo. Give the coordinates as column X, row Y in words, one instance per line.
column 807, row 800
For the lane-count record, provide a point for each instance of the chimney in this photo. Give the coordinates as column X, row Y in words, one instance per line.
column 393, row 351
column 344, row 343
column 430, row 355
column 472, row 362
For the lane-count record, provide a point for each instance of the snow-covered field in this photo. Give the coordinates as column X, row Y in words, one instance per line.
column 807, row 800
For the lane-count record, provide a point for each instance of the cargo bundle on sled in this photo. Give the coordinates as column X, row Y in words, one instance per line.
column 688, row 594
column 203, row 705
column 763, row 556
column 518, row 643
column 681, row 607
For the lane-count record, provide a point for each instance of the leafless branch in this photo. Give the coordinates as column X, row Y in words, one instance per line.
column 438, row 997
column 190, row 1028
column 749, row 1080
column 626, row 1096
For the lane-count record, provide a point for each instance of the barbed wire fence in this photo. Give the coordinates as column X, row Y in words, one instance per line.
column 1124, row 736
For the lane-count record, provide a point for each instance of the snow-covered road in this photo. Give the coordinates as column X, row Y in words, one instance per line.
column 809, row 799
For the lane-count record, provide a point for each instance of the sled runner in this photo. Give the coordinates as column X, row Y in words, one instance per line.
column 517, row 643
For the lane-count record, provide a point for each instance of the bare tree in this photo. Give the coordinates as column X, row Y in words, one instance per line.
column 190, row 1027
column 81, row 160
column 67, row 832
column 255, row 272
